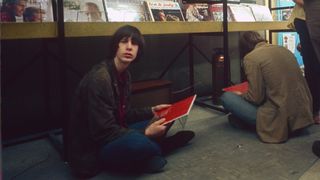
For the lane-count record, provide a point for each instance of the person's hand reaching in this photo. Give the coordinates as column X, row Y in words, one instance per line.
column 237, row 92
column 156, row 129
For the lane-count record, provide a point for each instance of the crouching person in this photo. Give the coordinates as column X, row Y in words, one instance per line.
column 278, row 101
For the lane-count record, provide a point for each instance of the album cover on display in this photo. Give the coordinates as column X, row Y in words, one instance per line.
column 26, row 11
column 84, row 11
column 164, row 11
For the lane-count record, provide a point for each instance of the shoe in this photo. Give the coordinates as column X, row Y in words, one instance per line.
column 155, row 165
column 180, row 139
column 316, row 148
column 237, row 123
column 299, row 132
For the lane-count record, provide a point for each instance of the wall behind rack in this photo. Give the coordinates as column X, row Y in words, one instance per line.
column 29, row 87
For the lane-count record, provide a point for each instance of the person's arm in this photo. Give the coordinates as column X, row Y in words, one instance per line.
column 159, row 107
column 156, row 129
column 256, row 90
column 237, row 92
column 300, row 2
column 140, row 114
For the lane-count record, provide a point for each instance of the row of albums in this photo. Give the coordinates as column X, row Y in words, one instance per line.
column 143, row 10
column 154, row 10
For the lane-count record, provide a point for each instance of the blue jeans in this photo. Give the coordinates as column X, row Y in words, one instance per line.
column 239, row 107
column 130, row 151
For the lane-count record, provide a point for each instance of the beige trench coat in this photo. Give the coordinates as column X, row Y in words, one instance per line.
column 277, row 86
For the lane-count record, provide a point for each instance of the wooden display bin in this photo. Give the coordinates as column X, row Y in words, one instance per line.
column 150, row 93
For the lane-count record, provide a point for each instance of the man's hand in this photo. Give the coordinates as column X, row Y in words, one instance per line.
column 156, row 129
column 159, row 108
column 299, row 48
column 237, row 92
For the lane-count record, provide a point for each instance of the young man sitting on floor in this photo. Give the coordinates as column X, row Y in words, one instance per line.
column 103, row 131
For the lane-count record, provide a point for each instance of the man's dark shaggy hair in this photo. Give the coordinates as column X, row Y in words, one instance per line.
column 127, row 31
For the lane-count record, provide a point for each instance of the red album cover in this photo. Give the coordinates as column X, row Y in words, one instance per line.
column 242, row 87
column 177, row 110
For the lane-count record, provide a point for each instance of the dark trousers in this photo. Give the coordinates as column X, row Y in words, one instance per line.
column 311, row 64
column 130, row 151
column 312, row 10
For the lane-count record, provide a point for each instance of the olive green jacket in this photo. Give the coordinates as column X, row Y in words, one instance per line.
column 278, row 88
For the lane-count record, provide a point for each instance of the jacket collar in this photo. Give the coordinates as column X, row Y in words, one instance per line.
column 260, row 44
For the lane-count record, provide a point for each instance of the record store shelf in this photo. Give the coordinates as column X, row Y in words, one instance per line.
column 83, row 29
column 28, row 30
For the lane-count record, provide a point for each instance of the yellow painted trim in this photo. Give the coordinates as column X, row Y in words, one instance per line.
column 82, row 29
column 257, row 26
column 28, row 30
column 147, row 28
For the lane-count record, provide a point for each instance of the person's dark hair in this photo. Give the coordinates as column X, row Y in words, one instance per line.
column 9, row 4
column 248, row 41
column 126, row 32
column 29, row 13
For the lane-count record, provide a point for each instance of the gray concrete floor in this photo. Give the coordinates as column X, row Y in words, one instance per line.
column 218, row 151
